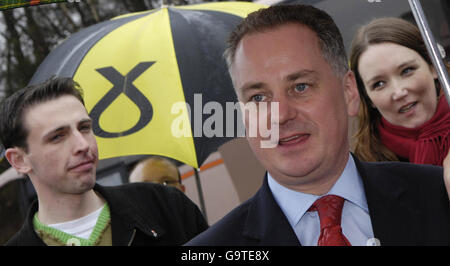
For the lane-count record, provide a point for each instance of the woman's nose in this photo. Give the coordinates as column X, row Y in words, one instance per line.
column 400, row 91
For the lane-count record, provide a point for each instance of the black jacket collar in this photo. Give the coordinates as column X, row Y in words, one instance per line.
column 125, row 217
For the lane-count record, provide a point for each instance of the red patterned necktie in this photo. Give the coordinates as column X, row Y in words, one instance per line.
column 330, row 211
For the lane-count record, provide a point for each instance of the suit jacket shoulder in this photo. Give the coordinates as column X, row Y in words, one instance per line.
column 258, row 221
column 227, row 231
column 408, row 203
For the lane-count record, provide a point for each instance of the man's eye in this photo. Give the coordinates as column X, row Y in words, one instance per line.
column 85, row 128
column 56, row 137
column 301, row 87
column 257, row 98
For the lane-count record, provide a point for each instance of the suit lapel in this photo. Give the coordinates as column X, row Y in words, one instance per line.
column 266, row 223
column 394, row 218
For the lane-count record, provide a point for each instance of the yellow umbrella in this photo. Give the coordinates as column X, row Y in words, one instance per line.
column 136, row 69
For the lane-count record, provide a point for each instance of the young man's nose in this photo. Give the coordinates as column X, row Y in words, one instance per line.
column 81, row 143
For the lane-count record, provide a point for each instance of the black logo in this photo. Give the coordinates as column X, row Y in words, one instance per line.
column 122, row 84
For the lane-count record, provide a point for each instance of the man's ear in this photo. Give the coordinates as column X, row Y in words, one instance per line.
column 351, row 93
column 16, row 157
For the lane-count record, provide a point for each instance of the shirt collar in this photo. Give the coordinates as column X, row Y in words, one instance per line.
column 294, row 204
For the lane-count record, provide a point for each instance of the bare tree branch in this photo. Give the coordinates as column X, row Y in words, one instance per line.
column 93, row 10
column 40, row 46
column 66, row 13
column 54, row 28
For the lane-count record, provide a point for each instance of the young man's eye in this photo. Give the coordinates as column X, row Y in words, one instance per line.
column 56, row 137
column 86, row 127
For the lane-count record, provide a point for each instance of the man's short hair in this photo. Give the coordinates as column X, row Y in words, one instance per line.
column 12, row 130
column 330, row 39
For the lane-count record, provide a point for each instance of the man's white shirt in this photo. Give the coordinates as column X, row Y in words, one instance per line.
column 356, row 224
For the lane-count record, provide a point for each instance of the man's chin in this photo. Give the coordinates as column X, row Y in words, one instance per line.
column 83, row 187
column 294, row 168
column 85, row 183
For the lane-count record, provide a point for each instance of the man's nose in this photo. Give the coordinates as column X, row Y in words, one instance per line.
column 286, row 109
column 81, row 144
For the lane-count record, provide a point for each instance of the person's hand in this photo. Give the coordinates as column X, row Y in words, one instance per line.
column 446, row 166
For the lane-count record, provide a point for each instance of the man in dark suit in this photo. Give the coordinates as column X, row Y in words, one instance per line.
column 315, row 192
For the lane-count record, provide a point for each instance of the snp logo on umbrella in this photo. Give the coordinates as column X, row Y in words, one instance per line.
column 255, row 115
column 120, row 82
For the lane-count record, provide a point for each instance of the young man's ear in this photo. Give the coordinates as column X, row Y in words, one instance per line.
column 16, row 158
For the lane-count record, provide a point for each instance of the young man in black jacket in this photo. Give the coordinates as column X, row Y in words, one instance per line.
column 48, row 136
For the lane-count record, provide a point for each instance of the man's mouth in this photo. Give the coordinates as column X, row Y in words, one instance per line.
column 294, row 139
column 407, row 107
column 83, row 166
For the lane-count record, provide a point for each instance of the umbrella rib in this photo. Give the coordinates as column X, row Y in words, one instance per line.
column 76, row 49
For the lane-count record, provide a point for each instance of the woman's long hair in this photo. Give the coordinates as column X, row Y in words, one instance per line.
column 367, row 143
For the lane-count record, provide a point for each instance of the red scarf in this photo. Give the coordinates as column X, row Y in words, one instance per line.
column 427, row 144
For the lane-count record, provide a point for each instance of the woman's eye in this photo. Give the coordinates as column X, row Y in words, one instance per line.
column 407, row 70
column 378, row 85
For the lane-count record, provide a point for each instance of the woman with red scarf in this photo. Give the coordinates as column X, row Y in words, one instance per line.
column 404, row 115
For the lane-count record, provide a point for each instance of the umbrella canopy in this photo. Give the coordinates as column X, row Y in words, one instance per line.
column 136, row 69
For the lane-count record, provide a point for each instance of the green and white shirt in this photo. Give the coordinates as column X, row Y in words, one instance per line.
column 91, row 230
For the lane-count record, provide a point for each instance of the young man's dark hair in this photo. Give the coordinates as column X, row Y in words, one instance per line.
column 12, row 130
